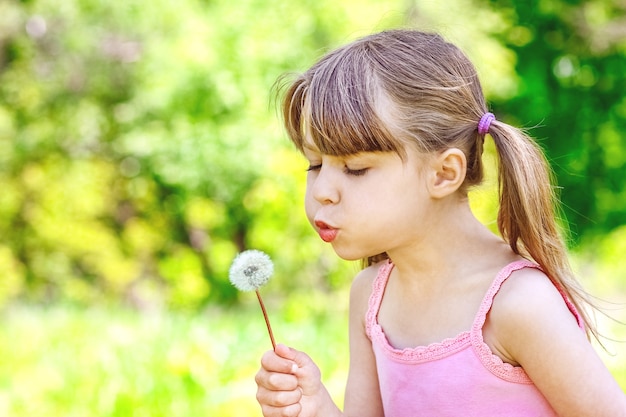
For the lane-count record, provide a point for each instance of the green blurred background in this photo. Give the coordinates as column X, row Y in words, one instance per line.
column 141, row 150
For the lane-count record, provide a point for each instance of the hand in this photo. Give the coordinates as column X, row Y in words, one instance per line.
column 289, row 384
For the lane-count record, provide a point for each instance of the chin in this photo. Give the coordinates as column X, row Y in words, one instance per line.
column 350, row 255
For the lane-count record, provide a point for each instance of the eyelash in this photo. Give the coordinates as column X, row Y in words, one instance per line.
column 346, row 170
column 355, row 172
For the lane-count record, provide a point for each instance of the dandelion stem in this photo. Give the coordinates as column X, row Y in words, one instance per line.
column 267, row 320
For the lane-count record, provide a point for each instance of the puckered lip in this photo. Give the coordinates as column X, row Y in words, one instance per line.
column 323, row 225
column 327, row 233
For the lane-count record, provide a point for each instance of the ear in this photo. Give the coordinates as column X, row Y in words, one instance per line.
column 448, row 171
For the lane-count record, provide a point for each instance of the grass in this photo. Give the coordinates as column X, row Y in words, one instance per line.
column 110, row 362
column 114, row 362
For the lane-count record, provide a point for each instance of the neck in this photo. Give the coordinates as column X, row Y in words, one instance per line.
column 446, row 248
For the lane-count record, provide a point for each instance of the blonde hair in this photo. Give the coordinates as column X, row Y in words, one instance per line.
column 431, row 92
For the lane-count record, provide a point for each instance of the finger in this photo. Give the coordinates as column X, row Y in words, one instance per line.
column 284, row 351
column 301, row 364
column 276, row 381
column 292, row 410
column 278, row 398
column 300, row 359
column 277, row 362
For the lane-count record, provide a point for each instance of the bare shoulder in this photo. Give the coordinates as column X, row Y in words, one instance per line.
column 362, row 287
column 531, row 326
column 366, row 276
column 528, row 306
column 527, row 293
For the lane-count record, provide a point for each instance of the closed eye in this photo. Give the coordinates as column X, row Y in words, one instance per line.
column 355, row 172
column 346, row 170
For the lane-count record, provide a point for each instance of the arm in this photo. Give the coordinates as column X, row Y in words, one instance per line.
column 362, row 391
column 533, row 327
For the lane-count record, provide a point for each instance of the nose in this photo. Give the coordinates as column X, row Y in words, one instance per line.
column 323, row 186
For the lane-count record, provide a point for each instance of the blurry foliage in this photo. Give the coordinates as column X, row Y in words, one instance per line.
column 148, row 365
column 140, row 149
column 571, row 66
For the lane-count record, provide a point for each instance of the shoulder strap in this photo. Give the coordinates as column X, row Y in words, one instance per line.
column 493, row 363
column 376, row 297
column 502, row 276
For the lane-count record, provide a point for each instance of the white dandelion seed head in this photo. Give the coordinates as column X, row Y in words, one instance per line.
column 250, row 270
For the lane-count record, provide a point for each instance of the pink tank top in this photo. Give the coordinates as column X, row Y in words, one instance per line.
column 456, row 377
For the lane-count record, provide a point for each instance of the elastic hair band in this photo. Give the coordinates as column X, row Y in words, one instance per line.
column 485, row 122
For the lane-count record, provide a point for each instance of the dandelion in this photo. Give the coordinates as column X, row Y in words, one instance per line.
column 249, row 271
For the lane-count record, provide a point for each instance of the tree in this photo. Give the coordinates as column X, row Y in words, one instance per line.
column 140, row 150
column 571, row 61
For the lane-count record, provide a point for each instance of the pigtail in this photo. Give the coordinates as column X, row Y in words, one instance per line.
column 527, row 218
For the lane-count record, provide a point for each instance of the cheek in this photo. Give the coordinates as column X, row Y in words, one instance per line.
column 310, row 205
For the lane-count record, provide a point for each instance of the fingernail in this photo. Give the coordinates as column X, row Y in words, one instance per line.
column 294, row 368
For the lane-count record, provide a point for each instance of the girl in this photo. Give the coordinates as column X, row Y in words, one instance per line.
column 446, row 319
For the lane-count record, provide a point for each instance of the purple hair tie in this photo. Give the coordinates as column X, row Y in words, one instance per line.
column 485, row 122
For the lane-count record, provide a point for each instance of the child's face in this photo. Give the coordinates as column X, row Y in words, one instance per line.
column 367, row 203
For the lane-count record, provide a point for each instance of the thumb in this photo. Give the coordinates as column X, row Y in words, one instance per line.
column 303, row 367
column 284, row 351
column 300, row 359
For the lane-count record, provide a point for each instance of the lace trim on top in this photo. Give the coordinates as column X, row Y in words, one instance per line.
column 417, row 354
column 463, row 340
column 492, row 362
